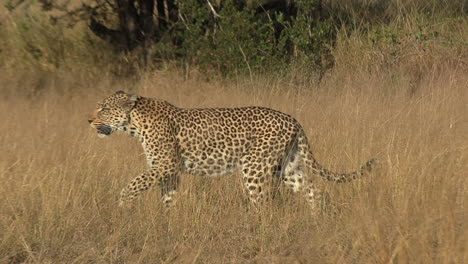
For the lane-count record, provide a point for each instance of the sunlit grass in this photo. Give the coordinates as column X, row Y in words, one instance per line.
column 61, row 183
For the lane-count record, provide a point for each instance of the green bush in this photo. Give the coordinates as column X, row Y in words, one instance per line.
column 241, row 40
column 230, row 37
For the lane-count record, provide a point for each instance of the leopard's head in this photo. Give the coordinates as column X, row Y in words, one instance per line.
column 113, row 113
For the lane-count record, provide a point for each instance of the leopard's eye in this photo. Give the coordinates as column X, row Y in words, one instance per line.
column 104, row 110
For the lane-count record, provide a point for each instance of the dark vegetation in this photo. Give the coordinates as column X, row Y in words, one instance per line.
column 256, row 36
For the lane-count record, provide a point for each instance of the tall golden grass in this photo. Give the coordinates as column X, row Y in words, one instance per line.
column 60, row 183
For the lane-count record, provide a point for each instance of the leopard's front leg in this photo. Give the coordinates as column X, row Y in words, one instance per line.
column 167, row 180
column 168, row 187
column 140, row 184
column 163, row 158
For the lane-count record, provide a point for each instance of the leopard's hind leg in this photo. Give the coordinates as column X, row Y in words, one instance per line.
column 294, row 176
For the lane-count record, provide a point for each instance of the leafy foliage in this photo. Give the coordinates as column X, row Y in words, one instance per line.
column 231, row 36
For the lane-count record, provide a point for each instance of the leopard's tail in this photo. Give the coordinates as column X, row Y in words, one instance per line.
column 339, row 177
column 318, row 169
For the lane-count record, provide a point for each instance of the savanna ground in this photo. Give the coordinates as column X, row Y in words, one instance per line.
column 60, row 183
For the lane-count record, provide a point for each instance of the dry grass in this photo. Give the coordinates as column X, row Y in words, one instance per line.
column 60, row 182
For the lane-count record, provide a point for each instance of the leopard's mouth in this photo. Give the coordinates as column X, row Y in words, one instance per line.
column 103, row 131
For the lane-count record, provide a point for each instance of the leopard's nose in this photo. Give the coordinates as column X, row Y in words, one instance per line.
column 90, row 121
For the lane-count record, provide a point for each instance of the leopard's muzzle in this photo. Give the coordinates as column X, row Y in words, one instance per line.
column 103, row 130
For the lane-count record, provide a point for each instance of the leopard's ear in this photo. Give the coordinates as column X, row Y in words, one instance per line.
column 119, row 92
column 130, row 102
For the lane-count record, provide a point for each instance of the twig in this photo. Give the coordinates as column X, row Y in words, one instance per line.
column 212, row 9
column 246, row 62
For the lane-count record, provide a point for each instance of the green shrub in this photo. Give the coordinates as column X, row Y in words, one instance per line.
column 230, row 37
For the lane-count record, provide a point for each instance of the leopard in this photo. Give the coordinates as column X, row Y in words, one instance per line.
column 259, row 143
